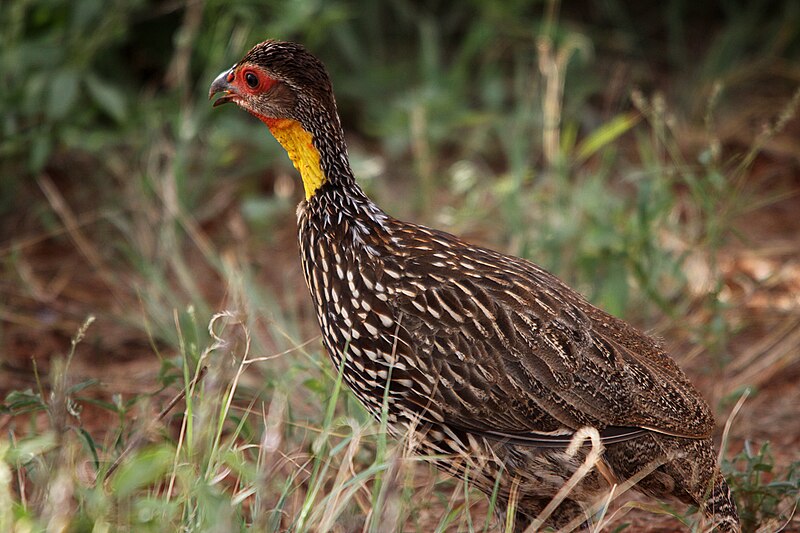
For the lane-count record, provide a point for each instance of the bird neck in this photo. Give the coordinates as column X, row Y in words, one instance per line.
column 318, row 162
column 299, row 145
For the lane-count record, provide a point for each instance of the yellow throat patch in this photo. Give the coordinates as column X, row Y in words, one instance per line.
column 297, row 143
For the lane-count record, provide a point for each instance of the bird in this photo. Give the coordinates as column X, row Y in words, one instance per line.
column 493, row 367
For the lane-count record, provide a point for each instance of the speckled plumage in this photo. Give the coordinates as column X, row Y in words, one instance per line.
column 491, row 360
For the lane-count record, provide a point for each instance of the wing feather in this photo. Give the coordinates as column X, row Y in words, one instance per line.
column 519, row 355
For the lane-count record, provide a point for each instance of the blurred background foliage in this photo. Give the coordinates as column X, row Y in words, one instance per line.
column 437, row 95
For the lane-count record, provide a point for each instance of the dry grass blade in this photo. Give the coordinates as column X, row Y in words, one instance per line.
column 79, row 221
column 338, row 498
column 592, row 458
column 615, row 492
column 73, row 228
column 766, row 359
column 729, row 423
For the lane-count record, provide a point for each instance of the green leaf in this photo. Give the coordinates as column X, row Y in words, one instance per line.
column 606, row 134
column 25, row 450
column 41, row 148
column 107, row 97
column 108, row 406
column 90, row 445
column 83, row 385
column 63, row 93
column 141, row 470
column 315, row 385
column 18, row 402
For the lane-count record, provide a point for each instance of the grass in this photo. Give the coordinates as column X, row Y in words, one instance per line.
column 545, row 134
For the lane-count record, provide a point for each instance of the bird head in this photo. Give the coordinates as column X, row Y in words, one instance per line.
column 278, row 80
column 289, row 90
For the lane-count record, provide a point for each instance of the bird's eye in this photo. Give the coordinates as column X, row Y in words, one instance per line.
column 251, row 80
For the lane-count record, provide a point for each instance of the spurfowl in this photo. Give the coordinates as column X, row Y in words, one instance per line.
column 491, row 361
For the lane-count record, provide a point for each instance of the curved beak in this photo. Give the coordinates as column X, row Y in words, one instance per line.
column 222, row 85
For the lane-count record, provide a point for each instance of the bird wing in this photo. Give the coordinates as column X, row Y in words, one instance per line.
column 517, row 354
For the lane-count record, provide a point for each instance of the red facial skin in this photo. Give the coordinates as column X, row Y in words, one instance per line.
column 237, row 81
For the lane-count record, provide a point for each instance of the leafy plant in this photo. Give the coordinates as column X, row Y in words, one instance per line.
column 764, row 496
